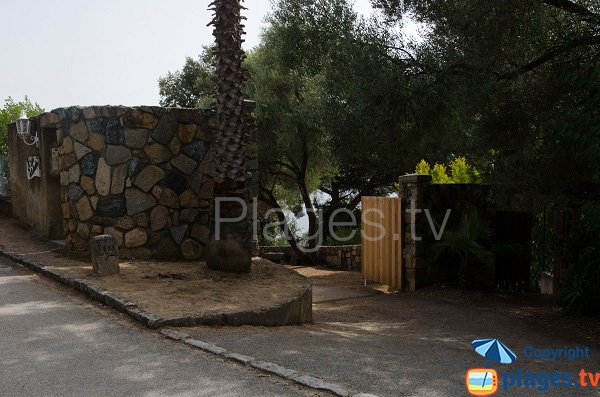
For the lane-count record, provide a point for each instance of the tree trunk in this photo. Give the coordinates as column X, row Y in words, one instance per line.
column 231, row 250
column 271, row 200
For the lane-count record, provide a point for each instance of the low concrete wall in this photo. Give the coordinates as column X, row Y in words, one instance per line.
column 342, row 257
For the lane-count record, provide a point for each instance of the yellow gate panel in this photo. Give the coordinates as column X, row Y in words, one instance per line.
column 382, row 240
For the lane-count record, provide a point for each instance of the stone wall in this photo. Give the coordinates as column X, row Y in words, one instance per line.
column 141, row 174
column 343, row 257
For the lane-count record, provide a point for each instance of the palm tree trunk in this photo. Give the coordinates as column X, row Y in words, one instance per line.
column 231, row 252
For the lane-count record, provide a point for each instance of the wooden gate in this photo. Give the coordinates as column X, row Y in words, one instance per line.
column 382, row 240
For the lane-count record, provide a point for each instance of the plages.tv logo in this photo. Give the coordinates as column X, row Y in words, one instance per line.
column 483, row 382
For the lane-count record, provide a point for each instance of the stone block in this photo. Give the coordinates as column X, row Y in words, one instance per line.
column 176, row 181
column 103, row 178
column 115, row 134
column 67, row 161
column 175, row 146
column 189, row 199
column 149, row 177
column 111, row 206
column 81, row 150
column 169, row 198
column 96, row 142
column 196, row 150
column 136, row 238
column 189, row 215
column 178, row 233
column 79, row 132
column 138, row 201
column 74, row 174
column 157, row 153
column 118, row 179
column 184, row 164
column 201, row 233
column 105, row 255
column 84, row 209
column 159, row 218
column 88, row 184
column 191, row 250
column 136, row 138
column 117, row 154
column 187, row 132
column 118, row 235
column 166, row 129
column 135, row 167
column 89, row 164
column 125, row 222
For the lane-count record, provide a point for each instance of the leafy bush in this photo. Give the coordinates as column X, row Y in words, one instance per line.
column 580, row 292
column 344, row 233
column 461, row 171
column 469, row 241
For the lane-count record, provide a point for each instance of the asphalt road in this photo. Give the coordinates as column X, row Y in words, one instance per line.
column 56, row 343
column 404, row 345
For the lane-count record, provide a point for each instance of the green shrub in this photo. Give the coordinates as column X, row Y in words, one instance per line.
column 580, row 292
column 469, row 241
column 460, row 169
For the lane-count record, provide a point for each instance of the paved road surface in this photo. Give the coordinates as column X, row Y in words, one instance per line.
column 55, row 343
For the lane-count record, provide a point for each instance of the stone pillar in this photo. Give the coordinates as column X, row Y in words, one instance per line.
column 413, row 192
column 105, row 255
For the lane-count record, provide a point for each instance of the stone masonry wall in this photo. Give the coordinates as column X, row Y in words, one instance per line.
column 141, row 174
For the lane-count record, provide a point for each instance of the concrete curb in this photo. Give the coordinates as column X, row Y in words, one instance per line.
column 295, row 311
column 268, row 367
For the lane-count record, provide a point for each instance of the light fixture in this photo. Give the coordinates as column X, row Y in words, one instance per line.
column 24, row 130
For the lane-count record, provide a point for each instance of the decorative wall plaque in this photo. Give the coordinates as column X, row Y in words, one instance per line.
column 33, row 167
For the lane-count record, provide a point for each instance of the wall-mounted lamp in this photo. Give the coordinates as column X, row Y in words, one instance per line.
column 24, row 130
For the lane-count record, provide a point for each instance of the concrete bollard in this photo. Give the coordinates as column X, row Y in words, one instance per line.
column 105, row 255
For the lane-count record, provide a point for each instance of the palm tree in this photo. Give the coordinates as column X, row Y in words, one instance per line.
column 229, row 253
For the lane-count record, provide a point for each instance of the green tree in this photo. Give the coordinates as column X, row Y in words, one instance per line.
column 521, row 84
column 10, row 112
column 192, row 86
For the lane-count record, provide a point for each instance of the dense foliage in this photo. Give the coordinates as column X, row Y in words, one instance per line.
column 10, row 112
column 347, row 104
column 192, row 86
column 580, row 293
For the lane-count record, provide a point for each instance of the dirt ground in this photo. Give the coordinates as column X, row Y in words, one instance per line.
column 168, row 289
column 178, row 289
column 538, row 311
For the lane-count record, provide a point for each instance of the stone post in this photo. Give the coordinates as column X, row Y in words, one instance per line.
column 413, row 193
column 105, row 255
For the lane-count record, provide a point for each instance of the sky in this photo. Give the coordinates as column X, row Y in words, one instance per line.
column 105, row 52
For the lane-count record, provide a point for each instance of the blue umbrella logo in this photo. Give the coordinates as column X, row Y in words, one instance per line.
column 494, row 350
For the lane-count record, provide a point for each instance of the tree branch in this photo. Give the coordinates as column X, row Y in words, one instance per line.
column 550, row 55
column 583, row 13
